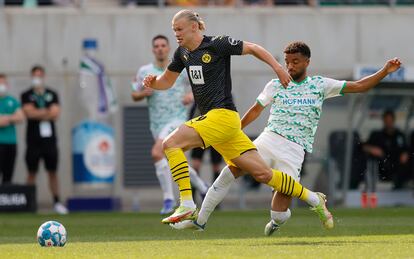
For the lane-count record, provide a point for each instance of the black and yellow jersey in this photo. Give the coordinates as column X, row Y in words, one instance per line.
column 208, row 68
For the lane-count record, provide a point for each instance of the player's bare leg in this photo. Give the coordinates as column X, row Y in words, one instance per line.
column 280, row 212
column 180, row 140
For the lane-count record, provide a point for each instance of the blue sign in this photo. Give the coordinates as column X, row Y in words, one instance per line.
column 93, row 149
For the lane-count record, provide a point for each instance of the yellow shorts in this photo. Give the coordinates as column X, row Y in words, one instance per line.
column 221, row 129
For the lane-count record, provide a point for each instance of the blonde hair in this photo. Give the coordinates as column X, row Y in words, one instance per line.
column 191, row 16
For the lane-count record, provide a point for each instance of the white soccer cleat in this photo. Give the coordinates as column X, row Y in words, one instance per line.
column 60, row 209
column 270, row 228
column 188, row 224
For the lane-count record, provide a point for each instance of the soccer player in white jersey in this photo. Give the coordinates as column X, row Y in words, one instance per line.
column 167, row 111
column 290, row 131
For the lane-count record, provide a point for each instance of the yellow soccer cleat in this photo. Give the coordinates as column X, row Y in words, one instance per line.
column 323, row 213
column 180, row 214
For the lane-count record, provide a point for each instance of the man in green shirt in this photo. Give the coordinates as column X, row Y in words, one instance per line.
column 10, row 114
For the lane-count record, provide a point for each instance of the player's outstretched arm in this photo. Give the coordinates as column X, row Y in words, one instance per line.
column 251, row 115
column 264, row 55
column 368, row 82
column 161, row 82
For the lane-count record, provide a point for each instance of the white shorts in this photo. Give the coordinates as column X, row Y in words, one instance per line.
column 280, row 153
column 168, row 128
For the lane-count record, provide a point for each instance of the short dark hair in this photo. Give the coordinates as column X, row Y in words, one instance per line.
column 3, row 76
column 298, row 47
column 388, row 112
column 160, row 36
column 36, row 68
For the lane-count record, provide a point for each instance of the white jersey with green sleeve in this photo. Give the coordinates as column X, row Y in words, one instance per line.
column 164, row 106
column 296, row 110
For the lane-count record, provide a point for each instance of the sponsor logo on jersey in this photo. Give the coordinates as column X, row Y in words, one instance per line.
column 185, row 57
column 299, row 101
column 206, row 58
column 196, row 75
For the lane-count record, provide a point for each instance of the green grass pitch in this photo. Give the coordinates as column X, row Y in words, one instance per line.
column 376, row 233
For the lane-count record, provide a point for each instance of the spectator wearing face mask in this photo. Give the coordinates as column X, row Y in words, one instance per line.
column 10, row 114
column 42, row 109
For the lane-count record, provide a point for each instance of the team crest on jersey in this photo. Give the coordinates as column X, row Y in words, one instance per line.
column 206, row 58
column 48, row 97
column 233, row 42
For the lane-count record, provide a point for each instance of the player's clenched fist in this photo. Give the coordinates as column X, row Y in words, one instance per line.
column 393, row 65
column 284, row 77
column 149, row 81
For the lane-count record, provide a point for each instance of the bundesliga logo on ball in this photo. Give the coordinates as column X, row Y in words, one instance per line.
column 51, row 233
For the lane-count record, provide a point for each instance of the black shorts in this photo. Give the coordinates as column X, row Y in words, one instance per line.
column 47, row 152
column 7, row 159
column 216, row 158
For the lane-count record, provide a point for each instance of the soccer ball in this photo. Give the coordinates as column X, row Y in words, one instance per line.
column 51, row 233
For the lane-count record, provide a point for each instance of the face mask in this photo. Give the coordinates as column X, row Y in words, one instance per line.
column 3, row 89
column 37, row 81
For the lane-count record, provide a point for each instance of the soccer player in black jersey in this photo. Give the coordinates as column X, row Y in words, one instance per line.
column 207, row 61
